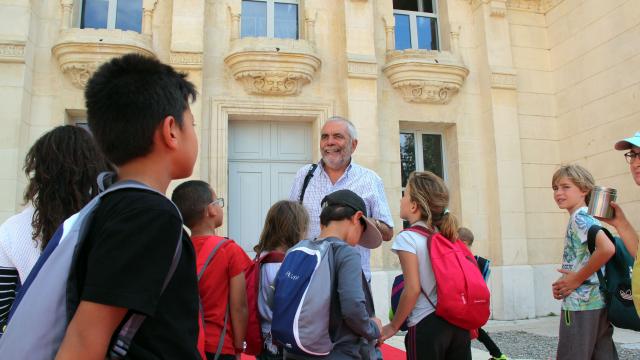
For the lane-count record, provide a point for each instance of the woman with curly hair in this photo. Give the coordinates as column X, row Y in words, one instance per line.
column 62, row 167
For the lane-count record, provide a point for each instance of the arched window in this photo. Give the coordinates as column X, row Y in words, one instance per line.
column 112, row 14
column 270, row 18
column 416, row 24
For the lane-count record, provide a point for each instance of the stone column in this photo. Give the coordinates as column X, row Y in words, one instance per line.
column 512, row 279
column 16, row 69
column 187, row 44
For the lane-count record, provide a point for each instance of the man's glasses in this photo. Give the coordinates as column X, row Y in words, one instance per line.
column 219, row 201
column 631, row 156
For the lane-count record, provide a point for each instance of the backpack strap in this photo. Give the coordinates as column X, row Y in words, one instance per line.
column 272, row 257
column 120, row 348
column 307, row 178
column 427, row 234
column 591, row 244
column 226, row 313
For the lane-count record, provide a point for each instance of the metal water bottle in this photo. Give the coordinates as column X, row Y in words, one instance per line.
column 599, row 203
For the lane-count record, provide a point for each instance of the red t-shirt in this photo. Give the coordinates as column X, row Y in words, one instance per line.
column 229, row 261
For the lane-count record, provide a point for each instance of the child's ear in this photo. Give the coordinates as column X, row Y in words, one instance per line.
column 168, row 132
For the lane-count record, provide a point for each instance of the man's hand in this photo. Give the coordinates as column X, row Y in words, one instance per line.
column 624, row 228
column 618, row 218
column 385, row 230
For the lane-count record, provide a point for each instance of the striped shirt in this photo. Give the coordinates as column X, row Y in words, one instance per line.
column 18, row 254
column 362, row 181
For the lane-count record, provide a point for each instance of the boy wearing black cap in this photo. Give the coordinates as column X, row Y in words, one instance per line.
column 352, row 324
column 624, row 228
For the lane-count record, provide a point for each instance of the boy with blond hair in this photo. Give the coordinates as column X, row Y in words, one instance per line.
column 585, row 332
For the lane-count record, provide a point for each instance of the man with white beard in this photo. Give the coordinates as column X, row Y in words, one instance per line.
column 336, row 171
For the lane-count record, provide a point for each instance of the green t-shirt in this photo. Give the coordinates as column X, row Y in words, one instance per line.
column 576, row 255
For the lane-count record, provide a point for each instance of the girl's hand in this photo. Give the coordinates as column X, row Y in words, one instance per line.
column 387, row 332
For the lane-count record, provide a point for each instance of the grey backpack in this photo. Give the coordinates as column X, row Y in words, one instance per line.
column 42, row 310
column 302, row 299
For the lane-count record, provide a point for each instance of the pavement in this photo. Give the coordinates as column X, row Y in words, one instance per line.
column 535, row 339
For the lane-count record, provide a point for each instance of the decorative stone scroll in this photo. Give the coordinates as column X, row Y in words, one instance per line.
column 424, row 76
column 274, row 67
column 80, row 51
column 12, row 52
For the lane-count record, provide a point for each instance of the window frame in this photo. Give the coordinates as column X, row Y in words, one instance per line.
column 112, row 13
column 271, row 20
column 417, row 148
column 413, row 21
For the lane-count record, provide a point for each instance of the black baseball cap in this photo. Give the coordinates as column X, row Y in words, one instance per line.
column 371, row 237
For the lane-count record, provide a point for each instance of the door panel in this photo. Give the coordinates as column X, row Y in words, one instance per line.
column 290, row 141
column 249, row 140
column 249, row 201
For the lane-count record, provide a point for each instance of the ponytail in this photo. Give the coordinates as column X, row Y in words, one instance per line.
column 448, row 225
column 431, row 195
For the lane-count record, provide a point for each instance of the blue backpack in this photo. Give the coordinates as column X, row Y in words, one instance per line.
column 45, row 304
column 302, row 299
column 615, row 283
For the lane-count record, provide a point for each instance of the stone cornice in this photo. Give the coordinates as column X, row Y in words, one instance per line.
column 12, row 51
column 81, row 51
column 537, row 6
column 503, row 79
column 273, row 67
column 359, row 67
column 424, row 76
column 499, row 7
column 186, row 60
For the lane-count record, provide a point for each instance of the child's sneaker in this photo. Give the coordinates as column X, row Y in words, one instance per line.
column 502, row 357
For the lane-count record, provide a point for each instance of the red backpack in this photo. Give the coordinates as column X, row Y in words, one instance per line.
column 463, row 296
column 255, row 341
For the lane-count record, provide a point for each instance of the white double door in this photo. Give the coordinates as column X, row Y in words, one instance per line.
column 264, row 157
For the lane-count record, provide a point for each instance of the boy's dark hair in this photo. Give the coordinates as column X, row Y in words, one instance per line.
column 127, row 98
column 335, row 213
column 191, row 198
column 62, row 167
column 465, row 235
column 286, row 224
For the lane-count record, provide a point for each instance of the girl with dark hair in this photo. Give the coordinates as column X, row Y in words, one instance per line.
column 285, row 225
column 424, row 203
column 62, row 167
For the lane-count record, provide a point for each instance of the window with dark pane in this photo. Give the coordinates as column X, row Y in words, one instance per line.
column 112, row 14
column 432, row 154
column 407, row 156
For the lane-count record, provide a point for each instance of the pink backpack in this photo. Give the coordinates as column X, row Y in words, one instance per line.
column 463, row 296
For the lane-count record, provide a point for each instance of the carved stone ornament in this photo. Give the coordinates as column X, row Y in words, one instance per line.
column 273, row 67
column 12, row 52
column 424, row 76
column 80, row 51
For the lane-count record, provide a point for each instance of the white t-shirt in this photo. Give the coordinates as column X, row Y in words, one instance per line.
column 417, row 244
column 268, row 273
column 17, row 248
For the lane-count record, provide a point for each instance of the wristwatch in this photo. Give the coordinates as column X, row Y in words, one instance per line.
column 243, row 348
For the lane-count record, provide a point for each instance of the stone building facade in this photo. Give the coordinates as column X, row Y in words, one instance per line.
column 492, row 94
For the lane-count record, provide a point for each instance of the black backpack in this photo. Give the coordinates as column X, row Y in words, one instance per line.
column 615, row 284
